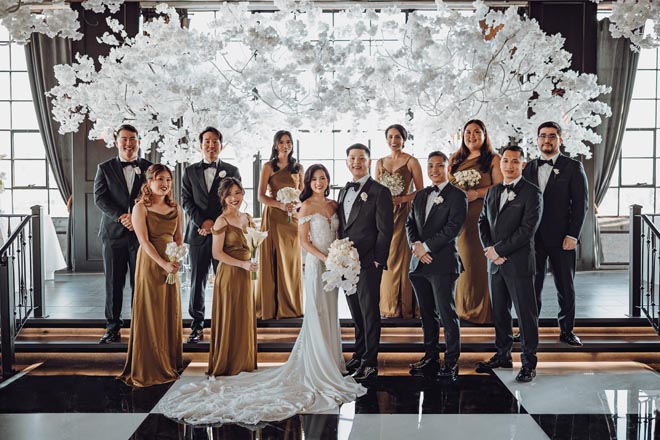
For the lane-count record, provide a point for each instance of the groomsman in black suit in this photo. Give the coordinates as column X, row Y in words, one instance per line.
column 564, row 185
column 116, row 186
column 507, row 224
column 436, row 218
column 199, row 198
column 365, row 217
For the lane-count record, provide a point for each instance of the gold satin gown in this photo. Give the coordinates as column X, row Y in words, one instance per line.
column 472, row 293
column 396, row 294
column 233, row 345
column 279, row 285
column 155, row 347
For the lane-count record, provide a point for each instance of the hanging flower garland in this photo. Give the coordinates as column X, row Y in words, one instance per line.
column 254, row 73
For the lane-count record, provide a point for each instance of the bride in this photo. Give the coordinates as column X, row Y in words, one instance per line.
column 311, row 381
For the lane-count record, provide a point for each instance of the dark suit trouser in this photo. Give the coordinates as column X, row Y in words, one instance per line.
column 364, row 305
column 200, row 260
column 563, row 272
column 435, row 295
column 118, row 259
column 519, row 290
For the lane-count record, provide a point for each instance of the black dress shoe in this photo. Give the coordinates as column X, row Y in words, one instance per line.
column 494, row 362
column 570, row 338
column 365, row 374
column 423, row 362
column 196, row 335
column 425, row 367
column 526, row 374
column 516, row 337
column 353, row 365
column 109, row 336
column 450, row 371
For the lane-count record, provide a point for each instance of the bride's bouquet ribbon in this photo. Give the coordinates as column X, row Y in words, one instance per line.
column 254, row 238
column 288, row 195
column 175, row 253
column 342, row 267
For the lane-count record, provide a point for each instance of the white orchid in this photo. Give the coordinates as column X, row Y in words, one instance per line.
column 343, row 267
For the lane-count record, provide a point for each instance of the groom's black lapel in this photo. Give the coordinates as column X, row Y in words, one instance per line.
column 358, row 203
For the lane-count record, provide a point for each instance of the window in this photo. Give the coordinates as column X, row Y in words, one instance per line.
column 28, row 178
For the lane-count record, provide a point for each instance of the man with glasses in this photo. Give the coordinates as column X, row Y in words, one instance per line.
column 564, row 185
column 116, row 186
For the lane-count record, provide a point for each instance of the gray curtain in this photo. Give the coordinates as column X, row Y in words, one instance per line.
column 617, row 66
column 42, row 54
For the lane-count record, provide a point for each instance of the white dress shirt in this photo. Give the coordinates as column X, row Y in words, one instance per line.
column 430, row 201
column 544, row 172
column 351, row 195
column 505, row 194
column 129, row 175
column 209, row 175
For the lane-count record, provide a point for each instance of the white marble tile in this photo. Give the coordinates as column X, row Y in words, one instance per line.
column 587, row 388
column 436, row 426
column 69, row 426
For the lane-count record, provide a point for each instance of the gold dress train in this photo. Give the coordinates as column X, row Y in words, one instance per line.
column 472, row 293
column 233, row 345
column 396, row 294
column 155, row 347
column 279, row 285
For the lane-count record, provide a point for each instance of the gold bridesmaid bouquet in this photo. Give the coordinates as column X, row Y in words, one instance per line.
column 254, row 238
column 175, row 253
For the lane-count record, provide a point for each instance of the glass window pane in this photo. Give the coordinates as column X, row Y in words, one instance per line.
column 5, row 167
column 641, row 115
column 315, row 145
column 24, row 199
column 33, row 173
column 615, row 176
column 4, row 86
column 644, row 84
column 201, row 20
column 57, row 206
column 5, row 119
column 5, row 143
column 609, row 205
column 637, row 144
column 29, row 146
column 647, row 59
column 636, row 172
column 17, row 57
column 247, row 173
column 20, row 86
column 4, row 33
column 6, row 207
column 4, row 57
column 636, row 196
column 23, row 116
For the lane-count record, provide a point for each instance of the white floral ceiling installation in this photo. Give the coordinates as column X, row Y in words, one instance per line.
column 637, row 20
column 53, row 18
column 251, row 74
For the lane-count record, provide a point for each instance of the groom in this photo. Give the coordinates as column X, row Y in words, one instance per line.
column 366, row 218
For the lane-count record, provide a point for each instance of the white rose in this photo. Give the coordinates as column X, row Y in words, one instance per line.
column 364, row 196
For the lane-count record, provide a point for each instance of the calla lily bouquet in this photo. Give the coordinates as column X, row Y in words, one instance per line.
column 343, row 267
column 175, row 253
column 254, row 238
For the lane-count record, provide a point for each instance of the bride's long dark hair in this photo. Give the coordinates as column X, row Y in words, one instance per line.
column 307, row 190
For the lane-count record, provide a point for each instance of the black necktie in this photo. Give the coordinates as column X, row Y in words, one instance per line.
column 543, row 162
column 354, row 185
column 209, row 165
column 133, row 163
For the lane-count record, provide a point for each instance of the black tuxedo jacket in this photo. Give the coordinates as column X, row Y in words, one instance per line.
column 371, row 223
column 566, row 198
column 439, row 230
column 113, row 197
column 199, row 203
column 511, row 230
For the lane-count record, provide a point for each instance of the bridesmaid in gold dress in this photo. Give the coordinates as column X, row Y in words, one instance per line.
column 233, row 322
column 155, row 345
column 396, row 295
column 279, row 285
column 476, row 153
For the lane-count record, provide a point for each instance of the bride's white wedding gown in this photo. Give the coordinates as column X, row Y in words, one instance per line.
column 310, row 381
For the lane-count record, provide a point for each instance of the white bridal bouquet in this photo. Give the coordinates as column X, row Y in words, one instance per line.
column 392, row 181
column 343, row 267
column 254, row 238
column 288, row 195
column 467, row 179
column 175, row 253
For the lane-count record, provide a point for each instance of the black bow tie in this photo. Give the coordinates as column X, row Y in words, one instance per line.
column 543, row 162
column 133, row 163
column 433, row 188
column 209, row 165
column 508, row 187
column 354, row 185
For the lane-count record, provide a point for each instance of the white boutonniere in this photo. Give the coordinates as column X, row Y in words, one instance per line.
column 222, row 174
column 510, row 196
column 138, row 171
column 438, row 200
column 556, row 171
column 364, row 196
